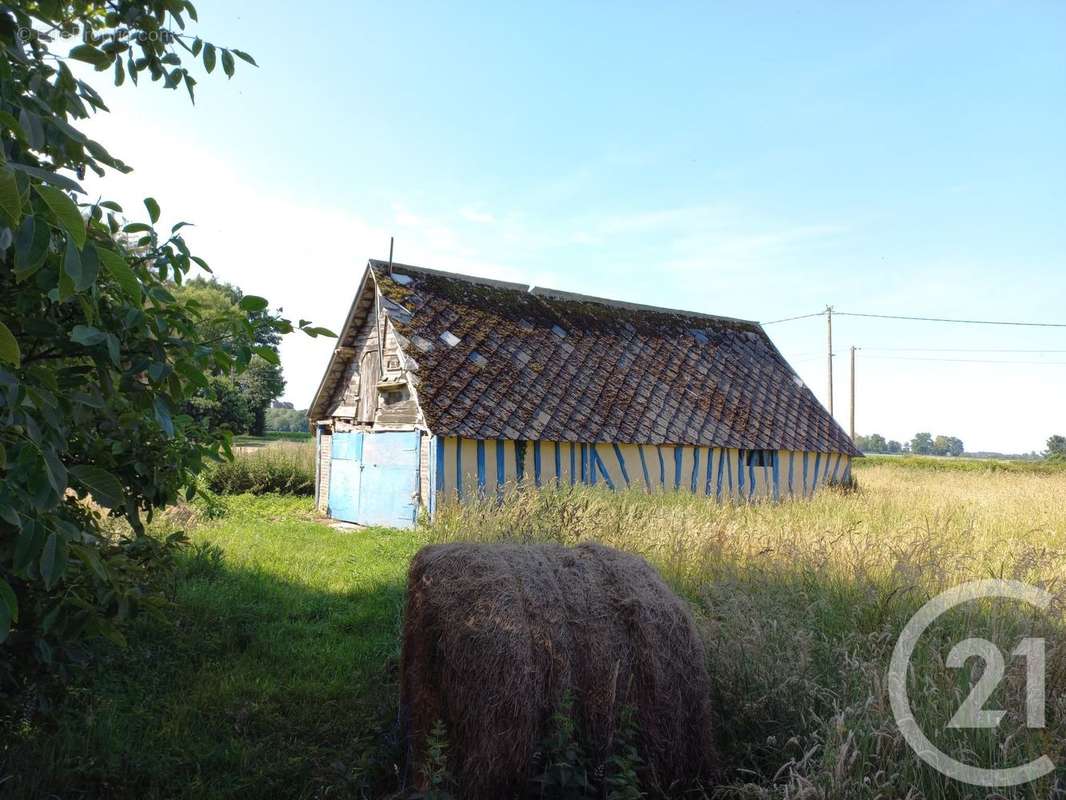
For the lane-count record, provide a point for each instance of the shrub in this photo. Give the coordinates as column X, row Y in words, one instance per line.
column 281, row 469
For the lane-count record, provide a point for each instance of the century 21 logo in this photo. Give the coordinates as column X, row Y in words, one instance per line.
column 972, row 713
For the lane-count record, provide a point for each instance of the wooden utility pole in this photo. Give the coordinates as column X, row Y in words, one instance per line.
column 853, row 348
column 829, row 322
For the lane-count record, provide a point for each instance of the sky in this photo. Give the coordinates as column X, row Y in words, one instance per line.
column 750, row 160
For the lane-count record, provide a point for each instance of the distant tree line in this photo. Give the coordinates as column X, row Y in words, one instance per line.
column 286, row 420
column 924, row 444
column 876, row 443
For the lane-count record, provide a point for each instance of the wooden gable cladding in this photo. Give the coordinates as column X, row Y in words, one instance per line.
column 372, row 388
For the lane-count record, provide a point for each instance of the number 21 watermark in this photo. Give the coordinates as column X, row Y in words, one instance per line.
column 972, row 713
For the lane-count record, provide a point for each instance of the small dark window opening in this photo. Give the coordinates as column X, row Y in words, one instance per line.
column 393, row 397
column 762, row 458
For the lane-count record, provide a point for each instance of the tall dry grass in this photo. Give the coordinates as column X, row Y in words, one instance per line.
column 279, row 467
column 801, row 604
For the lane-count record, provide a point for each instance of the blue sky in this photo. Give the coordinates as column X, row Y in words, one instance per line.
column 749, row 160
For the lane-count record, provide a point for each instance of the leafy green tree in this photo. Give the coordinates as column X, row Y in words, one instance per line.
column 238, row 403
column 875, row 443
column 286, row 420
column 893, row 447
column 1056, row 447
column 260, row 383
column 947, row 446
column 98, row 358
column 221, row 404
column 922, row 444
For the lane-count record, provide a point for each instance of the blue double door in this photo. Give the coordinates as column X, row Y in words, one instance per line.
column 373, row 478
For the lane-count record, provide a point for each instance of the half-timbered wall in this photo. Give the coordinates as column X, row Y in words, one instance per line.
column 325, row 451
column 467, row 467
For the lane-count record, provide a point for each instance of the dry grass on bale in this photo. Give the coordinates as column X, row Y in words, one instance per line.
column 495, row 634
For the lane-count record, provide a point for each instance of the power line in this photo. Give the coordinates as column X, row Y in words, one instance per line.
column 789, row 319
column 923, row 319
column 959, row 350
column 960, row 321
column 965, row 360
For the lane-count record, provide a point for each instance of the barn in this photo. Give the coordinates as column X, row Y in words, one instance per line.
column 446, row 386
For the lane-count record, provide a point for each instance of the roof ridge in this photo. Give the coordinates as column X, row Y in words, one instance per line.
column 378, row 263
column 559, row 294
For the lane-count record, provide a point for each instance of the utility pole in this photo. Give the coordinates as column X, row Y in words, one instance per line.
column 829, row 322
column 853, row 349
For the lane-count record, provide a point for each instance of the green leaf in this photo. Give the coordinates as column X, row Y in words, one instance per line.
column 162, row 415
column 90, row 268
column 8, row 600
column 153, row 209
column 137, row 227
column 227, row 63
column 105, row 488
column 90, row 556
column 31, row 246
column 52, row 560
column 87, row 335
column 72, row 263
column 9, row 609
column 113, row 349
column 245, row 57
column 121, row 272
column 9, row 348
column 91, row 55
column 10, row 202
column 57, row 473
column 209, row 57
column 251, row 302
column 62, row 181
column 66, row 212
column 268, row 354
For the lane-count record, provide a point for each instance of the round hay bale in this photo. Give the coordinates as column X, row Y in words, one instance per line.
column 494, row 634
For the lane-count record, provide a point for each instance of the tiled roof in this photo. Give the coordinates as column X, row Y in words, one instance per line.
column 499, row 360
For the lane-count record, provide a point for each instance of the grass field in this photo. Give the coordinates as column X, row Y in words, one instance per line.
column 275, row 675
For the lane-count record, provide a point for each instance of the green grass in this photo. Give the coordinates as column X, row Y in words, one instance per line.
column 280, row 468
column 271, row 437
column 274, row 677
column 963, row 464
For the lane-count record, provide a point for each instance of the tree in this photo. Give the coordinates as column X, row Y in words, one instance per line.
column 286, row 420
column 237, row 403
column 893, row 447
column 947, row 446
column 261, row 383
column 1056, row 447
column 97, row 356
column 922, row 444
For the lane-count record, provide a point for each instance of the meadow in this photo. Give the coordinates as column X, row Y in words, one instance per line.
column 274, row 672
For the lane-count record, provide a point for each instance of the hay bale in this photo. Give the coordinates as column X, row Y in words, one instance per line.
column 496, row 633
